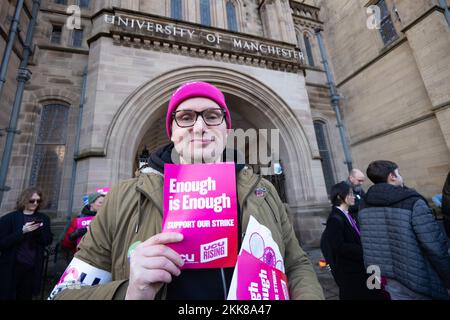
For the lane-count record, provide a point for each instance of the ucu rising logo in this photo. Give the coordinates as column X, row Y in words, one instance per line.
column 190, row 258
column 214, row 250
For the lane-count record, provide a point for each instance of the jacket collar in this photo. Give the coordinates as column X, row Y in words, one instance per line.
column 247, row 181
column 151, row 186
column 337, row 211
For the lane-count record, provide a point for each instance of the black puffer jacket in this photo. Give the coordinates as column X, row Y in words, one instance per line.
column 401, row 236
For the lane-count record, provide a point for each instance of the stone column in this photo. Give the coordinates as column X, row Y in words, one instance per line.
column 219, row 14
column 130, row 4
column 278, row 24
column 99, row 5
column 191, row 11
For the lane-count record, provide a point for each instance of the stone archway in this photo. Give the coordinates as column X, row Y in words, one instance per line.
column 148, row 104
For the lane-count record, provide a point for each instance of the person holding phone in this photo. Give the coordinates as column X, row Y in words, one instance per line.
column 24, row 234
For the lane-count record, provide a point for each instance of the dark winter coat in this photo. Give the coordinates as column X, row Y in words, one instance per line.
column 11, row 236
column 347, row 254
column 401, row 236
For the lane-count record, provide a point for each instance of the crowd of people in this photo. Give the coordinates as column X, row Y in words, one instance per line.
column 390, row 228
column 393, row 231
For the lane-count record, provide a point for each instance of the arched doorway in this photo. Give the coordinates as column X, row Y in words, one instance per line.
column 140, row 122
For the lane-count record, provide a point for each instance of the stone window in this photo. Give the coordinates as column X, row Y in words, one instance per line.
column 325, row 153
column 56, row 34
column 77, row 38
column 61, row 1
column 205, row 12
column 387, row 28
column 84, row 3
column 231, row 16
column 308, row 49
column 49, row 152
column 176, row 9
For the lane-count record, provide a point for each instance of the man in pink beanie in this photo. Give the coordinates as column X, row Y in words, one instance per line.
column 197, row 122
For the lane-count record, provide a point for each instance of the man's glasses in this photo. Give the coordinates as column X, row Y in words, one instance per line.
column 187, row 118
column 35, row 201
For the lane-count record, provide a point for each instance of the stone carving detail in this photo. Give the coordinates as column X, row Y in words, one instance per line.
column 186, row 39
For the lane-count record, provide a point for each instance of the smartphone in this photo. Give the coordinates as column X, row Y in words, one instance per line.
column 38, row 221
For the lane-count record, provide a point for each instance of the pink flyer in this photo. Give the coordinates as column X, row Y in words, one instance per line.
column 103, row 190
column 200, row 203
column 259, row 272
column 265, row 282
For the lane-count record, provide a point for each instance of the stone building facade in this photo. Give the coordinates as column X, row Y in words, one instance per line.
column 263, row 54
column 395, row 85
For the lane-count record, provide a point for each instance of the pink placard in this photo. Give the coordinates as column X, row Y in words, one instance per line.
column 259, row 280
column 83, row 223
column 103, row 190
column 200, row 203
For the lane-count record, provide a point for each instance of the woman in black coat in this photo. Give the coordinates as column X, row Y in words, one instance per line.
column 23, row 236
column 343, row 238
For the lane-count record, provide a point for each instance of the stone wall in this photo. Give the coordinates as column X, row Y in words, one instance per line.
column 395, row 97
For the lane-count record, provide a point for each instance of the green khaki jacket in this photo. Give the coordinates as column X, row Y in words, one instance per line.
column 132, row 212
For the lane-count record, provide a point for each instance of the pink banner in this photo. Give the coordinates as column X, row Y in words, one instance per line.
column 103, row 190
column 259, row 280
column 200, row 203
column 259, row 272
column 84, row 222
